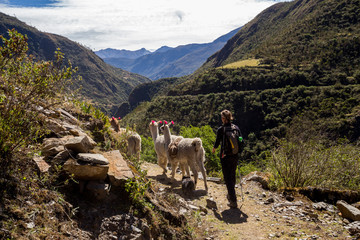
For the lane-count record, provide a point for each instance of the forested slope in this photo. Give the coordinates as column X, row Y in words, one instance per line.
column 309, row 54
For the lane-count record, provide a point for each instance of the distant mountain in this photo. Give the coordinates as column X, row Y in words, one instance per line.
column 170, row 62
column 114, row 53
column 104, row 85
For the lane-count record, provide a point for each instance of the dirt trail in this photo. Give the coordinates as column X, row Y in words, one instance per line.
column 257, row 216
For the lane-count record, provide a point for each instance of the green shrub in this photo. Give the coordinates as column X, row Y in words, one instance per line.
column 25, row 87
column 311, row 163
column 148, row 153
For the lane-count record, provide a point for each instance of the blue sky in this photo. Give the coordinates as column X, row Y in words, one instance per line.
column 133, row 24
column 27, row 3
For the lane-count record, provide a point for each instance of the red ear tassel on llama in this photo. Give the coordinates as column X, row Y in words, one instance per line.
column 119, row 118
column 152, row 121
column 172, row 122
column 113, row 118
column 165, row 122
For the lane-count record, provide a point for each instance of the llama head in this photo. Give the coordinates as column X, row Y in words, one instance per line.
column 115, row 124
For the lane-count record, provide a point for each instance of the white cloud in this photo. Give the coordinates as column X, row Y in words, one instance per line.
column 140, row 23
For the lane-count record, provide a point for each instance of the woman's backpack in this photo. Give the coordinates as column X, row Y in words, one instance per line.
column 233, row 141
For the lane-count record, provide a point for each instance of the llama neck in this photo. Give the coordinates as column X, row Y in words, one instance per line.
column 167, row 134
column 154, row 132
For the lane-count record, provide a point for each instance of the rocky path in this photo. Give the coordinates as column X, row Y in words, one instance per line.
column 262, row 215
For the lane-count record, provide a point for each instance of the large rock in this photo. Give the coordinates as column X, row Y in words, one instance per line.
column 42, row 165
column 119, row 171
column 93, row 158
column 63, row 156
column 54, row 126
column 348, row 211
column 261, row 177
column 52, row 146
column 80, row 144
column 86, row 171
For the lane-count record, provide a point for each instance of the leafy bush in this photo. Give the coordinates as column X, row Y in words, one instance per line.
column 26, row 87
column 303, row 158
column 148, row 153
column 313, row 164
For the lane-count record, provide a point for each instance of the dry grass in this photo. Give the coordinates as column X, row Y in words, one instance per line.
column 243, row 63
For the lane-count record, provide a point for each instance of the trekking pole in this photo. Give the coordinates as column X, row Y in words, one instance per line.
column 241, row 188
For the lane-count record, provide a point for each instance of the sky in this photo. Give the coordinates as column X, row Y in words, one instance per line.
column 135, row 24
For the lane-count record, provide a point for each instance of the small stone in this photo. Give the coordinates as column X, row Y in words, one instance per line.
column 30, row 225
column 211, row 204
column 269, row 201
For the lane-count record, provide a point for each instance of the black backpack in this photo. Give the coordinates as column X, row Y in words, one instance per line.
column 233, row 141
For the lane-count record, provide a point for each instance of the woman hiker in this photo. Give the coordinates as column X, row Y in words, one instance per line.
column 228, row 160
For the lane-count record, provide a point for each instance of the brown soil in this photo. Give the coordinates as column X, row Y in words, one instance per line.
column 253, row 219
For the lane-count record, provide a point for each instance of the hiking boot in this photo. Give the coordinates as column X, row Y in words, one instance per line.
column 232, row 205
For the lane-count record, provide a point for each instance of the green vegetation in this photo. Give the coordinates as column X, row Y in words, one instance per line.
column 33, row 204
column 25, row 88
column 28, row 88
column 305, row 159
column 148, row 153
column 309, row 62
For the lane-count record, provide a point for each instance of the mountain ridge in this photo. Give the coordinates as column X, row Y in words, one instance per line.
column 104, row 85
column 171, row 62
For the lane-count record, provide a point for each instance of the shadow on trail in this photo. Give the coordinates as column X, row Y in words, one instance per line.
column 163, row 179
column 175, row 187
column 231, row 216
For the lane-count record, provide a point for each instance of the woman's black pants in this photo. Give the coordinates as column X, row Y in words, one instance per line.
column 229, row 164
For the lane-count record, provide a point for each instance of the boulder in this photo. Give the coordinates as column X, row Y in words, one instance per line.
column 348, row 211
column 42, row 165
column 53, row 151
column 52, row 146
column 77, row 132
column 54, row 126
column 261, row 177
column 93, row 158
column 119, row 171
column 86, row 171
column 357, row 205
column 80, row 144
column 63, row 156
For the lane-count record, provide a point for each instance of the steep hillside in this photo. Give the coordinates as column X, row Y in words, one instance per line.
column 103, row 84
column 170, row 62
column 309, row 54
column 298, row 33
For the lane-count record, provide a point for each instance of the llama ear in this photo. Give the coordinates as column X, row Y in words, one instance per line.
column 172, row 122
column 160, row 121
column 152, row 121
column 165, row 122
